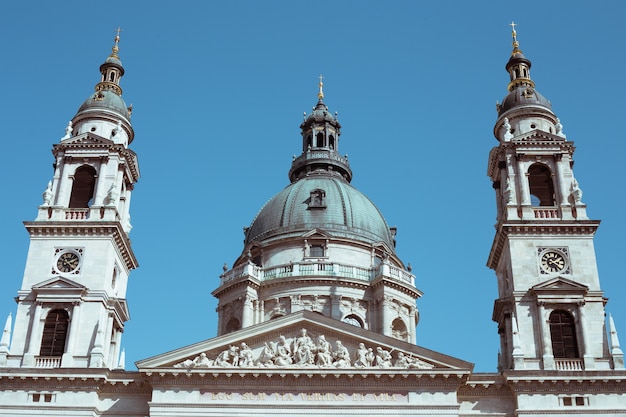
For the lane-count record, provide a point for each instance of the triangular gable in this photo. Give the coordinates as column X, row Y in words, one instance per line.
column 59, row 289
column 560, row 290
column 262, row 342
column 560, row 284
column 317, row 233
column 86, row 139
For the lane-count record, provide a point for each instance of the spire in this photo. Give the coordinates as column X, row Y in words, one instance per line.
column 518, row 66
column 112, row 69
column 320, row 95
column 320, row 143
column 616, row 351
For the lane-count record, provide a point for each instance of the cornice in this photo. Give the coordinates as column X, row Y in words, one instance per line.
column 537, row 229
column 307, row 378
column 89, row 229
column 566, row 382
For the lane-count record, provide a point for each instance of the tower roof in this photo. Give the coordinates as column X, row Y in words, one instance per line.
column 107, row 99
column 521, row 88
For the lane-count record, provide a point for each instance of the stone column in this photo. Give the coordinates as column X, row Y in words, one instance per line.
column 546, row 337
column 29, row 356
column 68, row 356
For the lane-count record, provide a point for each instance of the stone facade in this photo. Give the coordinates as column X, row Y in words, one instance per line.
column 317, row 316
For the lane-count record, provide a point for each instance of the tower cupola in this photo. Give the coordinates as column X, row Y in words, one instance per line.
column 320, row 144
column 105, row 113
column 524, row 109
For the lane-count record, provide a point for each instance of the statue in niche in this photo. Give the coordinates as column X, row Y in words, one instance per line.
column 47, row 194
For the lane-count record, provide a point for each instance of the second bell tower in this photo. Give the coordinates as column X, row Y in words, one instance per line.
column 550, row 307
column 72, row 303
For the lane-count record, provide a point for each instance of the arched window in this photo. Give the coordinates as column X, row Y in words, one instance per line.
column 353, row 320
column 563, row 333
column 541, row 186
column 398, row 329
column 83, row 186
column 319, row 140
column 54, row 333
column 232, row 325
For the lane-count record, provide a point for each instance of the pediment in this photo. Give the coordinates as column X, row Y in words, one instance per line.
column 281, row 344
column 59, row 289
column 87, row 139
column 316, row 233
column 560, row 285
column 58, row 283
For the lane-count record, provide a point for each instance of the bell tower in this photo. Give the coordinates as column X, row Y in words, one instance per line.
column 72, row 302
column 550, row 307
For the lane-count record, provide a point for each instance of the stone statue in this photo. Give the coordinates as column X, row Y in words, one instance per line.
column 383, row 358
column 111, row 197
column 68, row 131
column 202, row 361
column 304, row 349
column 506, row 127
column 245, row 355
column 361, row 358
column 47, row 194
column 324, row 354
column 282, row 352
column 559, row 129
column 576, row 192
column 341, row 356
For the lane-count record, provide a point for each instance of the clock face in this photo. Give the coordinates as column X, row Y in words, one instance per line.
column 552, row 262
column 68, row 262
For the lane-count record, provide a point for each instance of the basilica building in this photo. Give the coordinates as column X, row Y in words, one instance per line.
column 317, row 314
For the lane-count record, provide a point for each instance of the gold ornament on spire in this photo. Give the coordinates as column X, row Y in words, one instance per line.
column 320, row 95
column 116, row 48
column 515, row 42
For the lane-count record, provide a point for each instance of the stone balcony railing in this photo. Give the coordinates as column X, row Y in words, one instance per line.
column 548, row 213
column 569, row 364
column 48, row 362
column 100, row 213
column 320, row 269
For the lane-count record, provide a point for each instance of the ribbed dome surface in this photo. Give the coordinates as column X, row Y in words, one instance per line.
column 347, row 213
column 105, row 100
column 524, row 96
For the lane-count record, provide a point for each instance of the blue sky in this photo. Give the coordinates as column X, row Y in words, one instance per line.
column 218, row 90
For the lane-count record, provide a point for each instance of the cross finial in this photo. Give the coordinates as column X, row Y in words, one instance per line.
column 320, row 95
column 514, row 34
column 116, row 48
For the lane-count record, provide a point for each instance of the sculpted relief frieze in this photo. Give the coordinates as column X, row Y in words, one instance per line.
column 303, row 351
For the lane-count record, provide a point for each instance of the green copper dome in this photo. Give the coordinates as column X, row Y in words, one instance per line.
column 325, row 203
column 105, row 100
